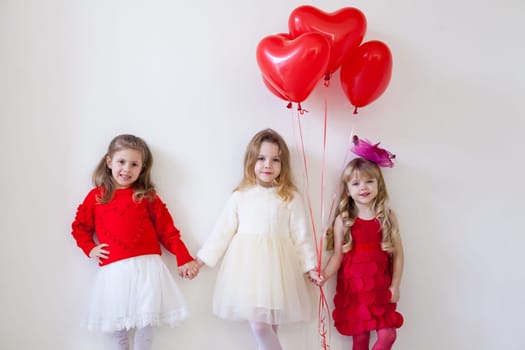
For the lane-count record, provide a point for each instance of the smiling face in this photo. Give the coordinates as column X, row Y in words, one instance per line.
column 362, row 189
column 268, row 164
column 125, row 166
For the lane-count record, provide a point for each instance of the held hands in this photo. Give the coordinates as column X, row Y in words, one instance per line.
column 98, row 252
column 190, row 270
column 316, row 277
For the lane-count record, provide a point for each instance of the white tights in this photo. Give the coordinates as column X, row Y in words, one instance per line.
column 266, row 335
column 142, row 340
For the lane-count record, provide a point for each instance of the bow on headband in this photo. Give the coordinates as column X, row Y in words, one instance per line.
column 372, row 152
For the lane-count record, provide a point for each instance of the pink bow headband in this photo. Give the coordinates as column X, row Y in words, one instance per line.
column 372, row 152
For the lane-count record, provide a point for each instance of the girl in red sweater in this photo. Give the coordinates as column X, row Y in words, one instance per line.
column 121, row 224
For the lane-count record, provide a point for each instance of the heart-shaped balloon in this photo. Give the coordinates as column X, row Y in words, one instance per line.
column 293, row 67
column 366, row 73
column 274, row 90
column 344, row 29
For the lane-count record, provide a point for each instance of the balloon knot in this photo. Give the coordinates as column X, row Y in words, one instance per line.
column 327, row 79
column 301, row 110
column 355, row 110
column 289, row 105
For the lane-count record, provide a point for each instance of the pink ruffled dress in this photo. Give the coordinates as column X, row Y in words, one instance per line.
column 362, row 299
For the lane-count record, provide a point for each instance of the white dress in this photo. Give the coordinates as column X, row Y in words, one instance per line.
column 267, row 249
column 135, row 293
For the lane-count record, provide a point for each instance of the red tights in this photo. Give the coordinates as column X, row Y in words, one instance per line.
column 385, row 340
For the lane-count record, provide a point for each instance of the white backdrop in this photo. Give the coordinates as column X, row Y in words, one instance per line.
column 183, row 75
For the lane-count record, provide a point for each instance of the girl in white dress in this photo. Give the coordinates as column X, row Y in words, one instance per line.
column 268, row 251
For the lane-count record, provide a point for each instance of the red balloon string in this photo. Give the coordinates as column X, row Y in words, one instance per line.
column 323, row 309
column 324, row 320
column 355, row 110
column 334, row 195
column 323, row 170
column 307, row 180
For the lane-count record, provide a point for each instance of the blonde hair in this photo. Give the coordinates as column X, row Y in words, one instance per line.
column 348, row 210
column 284, row 182
column 103, row 178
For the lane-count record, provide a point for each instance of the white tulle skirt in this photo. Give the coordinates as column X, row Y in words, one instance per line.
column 260, row 279
column 134, row 293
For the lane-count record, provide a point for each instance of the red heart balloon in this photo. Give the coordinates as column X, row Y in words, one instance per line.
column 293, row 67
column 274, row 90
column 345, row 29
column 366, row 73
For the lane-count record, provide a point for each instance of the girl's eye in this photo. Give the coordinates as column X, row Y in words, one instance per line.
column 354, row 184
column 277, row 160
column 134, row 165
column 260, row 158
column 121, row 162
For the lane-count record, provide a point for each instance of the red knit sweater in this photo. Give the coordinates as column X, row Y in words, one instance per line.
column 129, row 228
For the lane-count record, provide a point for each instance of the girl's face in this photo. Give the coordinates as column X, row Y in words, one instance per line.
column 268, row 164
column 125, row 166
column 362, row 189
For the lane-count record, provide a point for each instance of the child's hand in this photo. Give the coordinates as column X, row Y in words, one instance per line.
column 316, row 277
column 98, row 252
column 395, row 294
column 199, row 263
column 189, row 270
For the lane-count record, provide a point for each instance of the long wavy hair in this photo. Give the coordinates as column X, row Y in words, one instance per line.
column 284, row 182
column 360, row 167
column 103, row 178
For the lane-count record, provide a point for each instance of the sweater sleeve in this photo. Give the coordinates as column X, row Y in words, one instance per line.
column 168, row 234
column 300, row 234
column 222, row 233
column 83, row 227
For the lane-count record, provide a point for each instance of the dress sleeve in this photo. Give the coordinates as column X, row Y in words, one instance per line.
column 300, row 235
column 223, row 232
column 168, row 234
column 83, row 227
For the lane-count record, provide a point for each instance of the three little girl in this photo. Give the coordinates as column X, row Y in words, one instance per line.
column 262, row 238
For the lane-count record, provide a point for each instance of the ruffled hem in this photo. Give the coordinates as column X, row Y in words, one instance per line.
column 268, row 286
column 360, row 319
column 155, row 320
column 263, row 315
column 134, row 293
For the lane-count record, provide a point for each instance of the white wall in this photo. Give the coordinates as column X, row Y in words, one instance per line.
column 183, row 75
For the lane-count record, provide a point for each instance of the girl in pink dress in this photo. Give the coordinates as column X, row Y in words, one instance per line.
column 368, row 253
